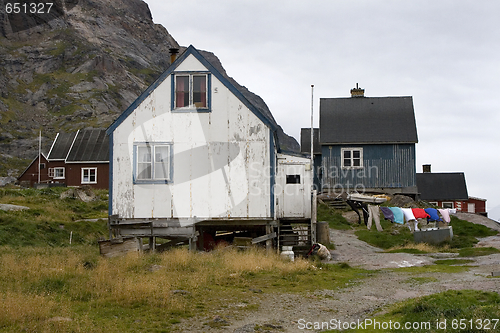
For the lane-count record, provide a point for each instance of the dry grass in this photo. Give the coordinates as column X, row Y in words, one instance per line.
column 68, row 289
column 419, row 247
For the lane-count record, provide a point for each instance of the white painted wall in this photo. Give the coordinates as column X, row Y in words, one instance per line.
column 204, row 184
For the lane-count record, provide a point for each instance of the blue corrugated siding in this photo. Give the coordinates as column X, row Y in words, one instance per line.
column 384, row 166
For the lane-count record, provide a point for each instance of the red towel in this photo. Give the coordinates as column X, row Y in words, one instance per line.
column 419, row 213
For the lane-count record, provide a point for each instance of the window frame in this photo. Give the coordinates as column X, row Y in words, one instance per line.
column 152, row 162
column 191, row 107
column 451, row 203
column 343, row 159
column 89, row 181
column 52, row 172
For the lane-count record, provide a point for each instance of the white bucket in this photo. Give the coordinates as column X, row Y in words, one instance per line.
column 287, row 253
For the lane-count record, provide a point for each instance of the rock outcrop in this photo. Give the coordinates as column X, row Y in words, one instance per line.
column 79, row 67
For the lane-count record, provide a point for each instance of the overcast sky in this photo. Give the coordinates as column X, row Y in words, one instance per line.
column 444, row 53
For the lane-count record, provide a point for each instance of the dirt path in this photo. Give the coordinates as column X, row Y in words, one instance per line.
column 286, row 312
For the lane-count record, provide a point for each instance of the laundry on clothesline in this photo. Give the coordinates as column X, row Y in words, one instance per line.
column 402, row 215
column 398, row 215
column 388, row 215
column 419, row 213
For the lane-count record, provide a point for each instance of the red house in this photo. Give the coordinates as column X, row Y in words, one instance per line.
column 448, row 190
column 74, row 159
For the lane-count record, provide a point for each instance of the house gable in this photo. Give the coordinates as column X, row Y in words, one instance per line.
column 180, row 65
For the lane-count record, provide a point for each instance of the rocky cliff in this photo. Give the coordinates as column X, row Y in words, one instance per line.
column 78, row 67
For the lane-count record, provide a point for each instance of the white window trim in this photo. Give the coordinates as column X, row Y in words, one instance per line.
column 153, row 180
column 448, row 202
column 342, row 150
column 191, row 107
column 89, row 181
column 52, row 172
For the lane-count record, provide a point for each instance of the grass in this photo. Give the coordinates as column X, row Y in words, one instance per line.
column 477, row 251
column 51, row 221
column 393, row 235
column 74, row 289
column 453, row 261
column 333, row 217
column 458, row 311
column 417, row 248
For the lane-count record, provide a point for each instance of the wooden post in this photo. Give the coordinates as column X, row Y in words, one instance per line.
column 314, row 213
column 152, row 239
column 269, row 242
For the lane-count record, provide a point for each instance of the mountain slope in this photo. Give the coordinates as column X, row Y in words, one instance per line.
column 80, row 67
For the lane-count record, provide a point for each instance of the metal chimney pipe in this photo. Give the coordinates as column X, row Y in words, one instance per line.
column 173, row 54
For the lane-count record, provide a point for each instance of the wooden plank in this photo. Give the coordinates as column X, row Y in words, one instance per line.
column 264, row 238
column 115, row 248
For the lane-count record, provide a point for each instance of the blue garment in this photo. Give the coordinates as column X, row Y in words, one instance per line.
column 387, row 213
column 433, row 215
column 398, row 215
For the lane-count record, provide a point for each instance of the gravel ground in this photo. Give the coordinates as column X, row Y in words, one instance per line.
column 285, row 312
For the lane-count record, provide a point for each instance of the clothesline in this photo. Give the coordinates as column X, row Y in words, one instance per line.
column 400, row 215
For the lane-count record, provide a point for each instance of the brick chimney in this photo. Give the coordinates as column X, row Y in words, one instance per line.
column 357, row 92
column 426, row 168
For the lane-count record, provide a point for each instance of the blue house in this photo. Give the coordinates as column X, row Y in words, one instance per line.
column 365, row 144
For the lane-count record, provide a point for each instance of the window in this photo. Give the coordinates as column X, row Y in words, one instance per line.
column 56, row 173
column 152, row 162
column 191, row 91
column 42, row 166
column 89, row 175
column 352, row 158
column 448, row 204
column 293, row 179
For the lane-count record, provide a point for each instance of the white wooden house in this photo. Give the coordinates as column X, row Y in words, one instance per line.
column 197, row 154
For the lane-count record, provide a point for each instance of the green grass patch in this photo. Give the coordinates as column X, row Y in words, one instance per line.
column 459, row 311
column 333, row 217
column 477, row 251
column 392, row 236
column 51, row 221
column 432, row 269
column 406, row 250
column 453, row 261
column 465, row 233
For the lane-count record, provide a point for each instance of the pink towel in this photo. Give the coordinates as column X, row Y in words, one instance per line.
column 445, row 214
